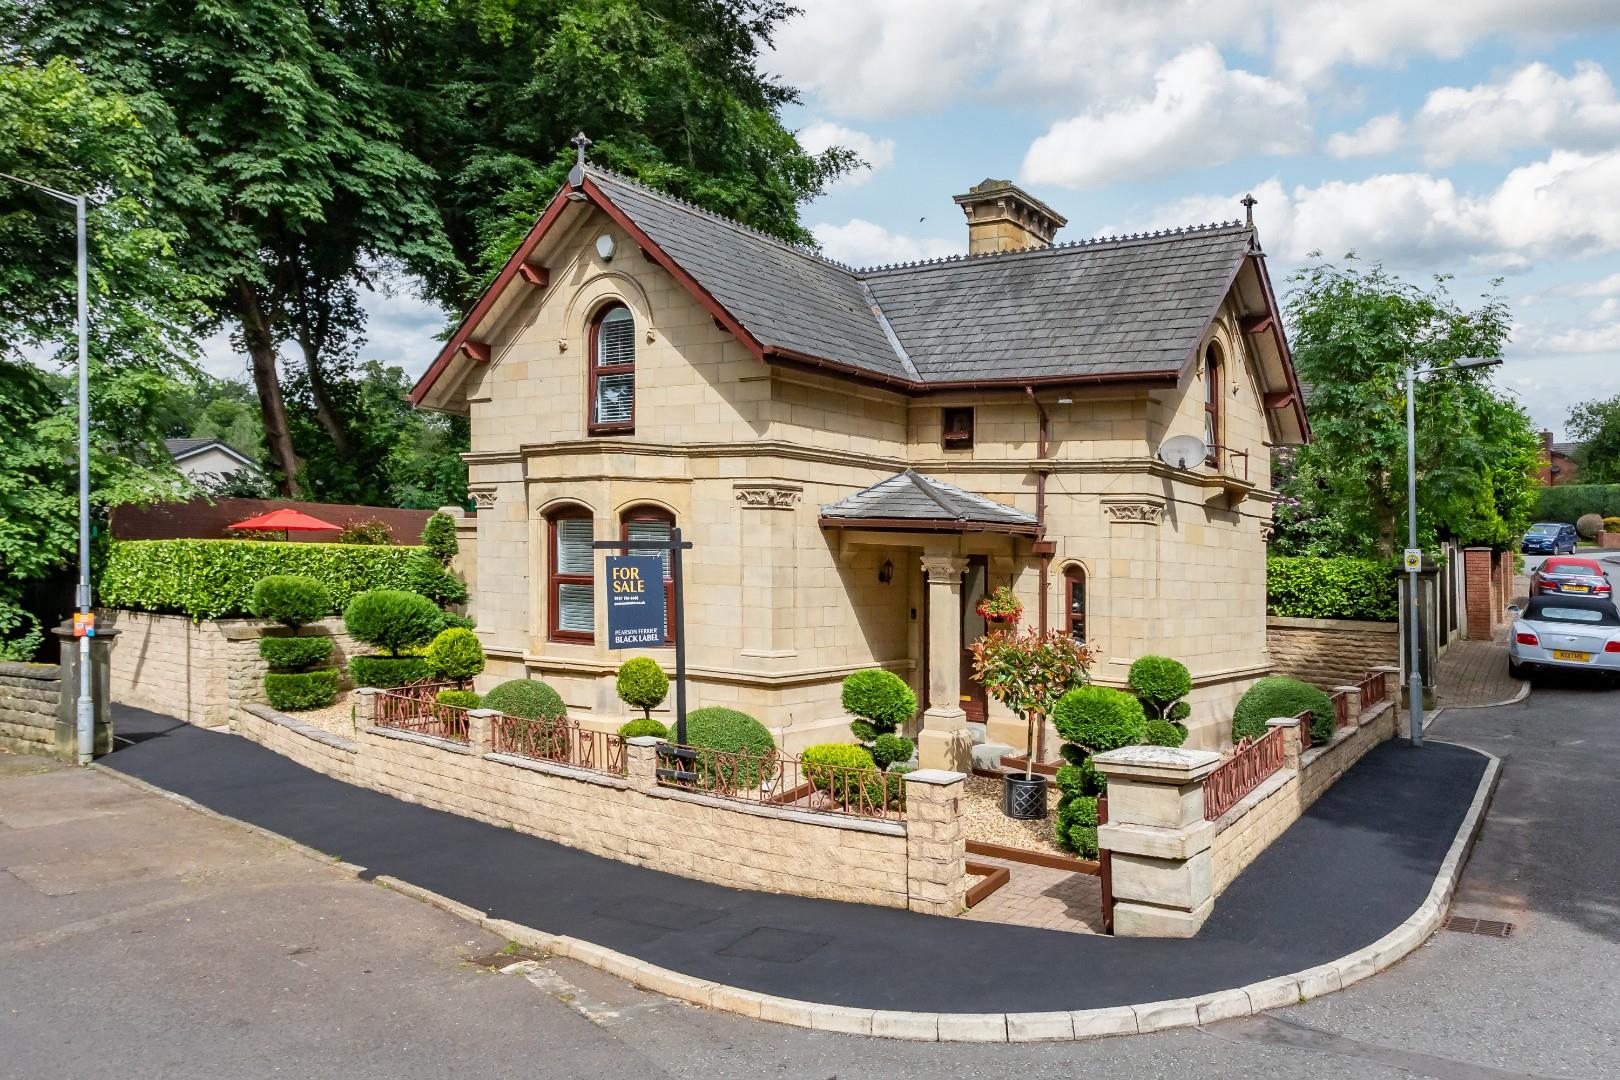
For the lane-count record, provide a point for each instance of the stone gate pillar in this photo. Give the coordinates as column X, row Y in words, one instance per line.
column 944, row 742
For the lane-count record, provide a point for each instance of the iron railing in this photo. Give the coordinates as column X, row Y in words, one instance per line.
column 1341, row 709
column 415, row 708
column 1252, row 761
column 1372, row 689
column 561, row 741
column 787, row 782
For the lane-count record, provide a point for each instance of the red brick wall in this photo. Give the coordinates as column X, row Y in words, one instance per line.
column 1480, row 581
column 201, row 519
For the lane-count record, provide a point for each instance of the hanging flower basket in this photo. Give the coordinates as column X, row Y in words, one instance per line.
column 1001, row 606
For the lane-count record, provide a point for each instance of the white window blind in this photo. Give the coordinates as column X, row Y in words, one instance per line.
column 576, row 608
column 649, row 530
column 616, row 338
column 574, row 537
column 615, row 398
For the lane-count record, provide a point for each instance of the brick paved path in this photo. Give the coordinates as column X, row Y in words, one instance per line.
column 1043, row 897
column 1475, row 672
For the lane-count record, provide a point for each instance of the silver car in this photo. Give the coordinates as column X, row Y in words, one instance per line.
column 1576, row 632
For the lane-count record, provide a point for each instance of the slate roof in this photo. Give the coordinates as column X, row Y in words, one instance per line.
column 1565, row 449
column 181, row 448
column 1129, row 306
column 911, row 496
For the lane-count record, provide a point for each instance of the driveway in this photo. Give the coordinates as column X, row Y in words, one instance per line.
column 193, row 949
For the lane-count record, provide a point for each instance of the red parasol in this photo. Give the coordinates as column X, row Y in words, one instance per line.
column 286, row 521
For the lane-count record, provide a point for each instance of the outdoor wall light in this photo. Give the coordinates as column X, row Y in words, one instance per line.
column 604, row 247
column 886, row 572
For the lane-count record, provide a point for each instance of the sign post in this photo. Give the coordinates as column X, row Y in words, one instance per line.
column 636, row 619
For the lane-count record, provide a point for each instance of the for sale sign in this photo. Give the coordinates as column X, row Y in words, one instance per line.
column 635, row 601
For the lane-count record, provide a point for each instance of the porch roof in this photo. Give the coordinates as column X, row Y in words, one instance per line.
column 911, row 501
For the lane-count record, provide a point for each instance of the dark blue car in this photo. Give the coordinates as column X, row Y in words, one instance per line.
column 1549, row 538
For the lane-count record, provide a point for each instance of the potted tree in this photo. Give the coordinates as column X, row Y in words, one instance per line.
column 1029, row 672
column 1001, row 607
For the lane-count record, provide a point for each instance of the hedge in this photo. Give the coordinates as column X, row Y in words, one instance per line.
column 292, row 691
column 1305, row 587
column 1566, row 502
column 214, row 579
column 388, row 672
column 1277, row 696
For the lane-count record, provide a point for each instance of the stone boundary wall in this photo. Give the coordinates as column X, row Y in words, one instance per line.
column 634, row 820
column 198, row 671
column 1247, row 829
column 1330, row 652
column 29, row 697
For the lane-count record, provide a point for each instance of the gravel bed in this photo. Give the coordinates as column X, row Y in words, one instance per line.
column 981, row 809
column 337, row 718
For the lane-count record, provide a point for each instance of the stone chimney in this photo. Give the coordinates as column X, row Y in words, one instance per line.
column 1004, row 217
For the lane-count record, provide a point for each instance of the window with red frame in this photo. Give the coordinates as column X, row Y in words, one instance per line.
column 613, row 372
column 1212, row 401
column 1074, row 603
column 571, row 575
column 654, row 523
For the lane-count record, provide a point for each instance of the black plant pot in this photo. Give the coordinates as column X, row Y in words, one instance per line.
column 1024, row 800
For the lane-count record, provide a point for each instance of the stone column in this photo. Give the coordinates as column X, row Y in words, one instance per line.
column 641, row 762
column 936, row 842
column 768, row 518
column 1159, row 839
column 481, row 730
column 1392, row 681
column 67, row 706
column 1353, row 706
column 1291, row 740
column 944, row 742
column 365, row 706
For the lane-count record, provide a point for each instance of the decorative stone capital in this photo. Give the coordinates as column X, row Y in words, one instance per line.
column 1134, row 510
column 944, row 569
column 1268, row 529
column 1157, row 764
column 483, row 498
column 755, row 495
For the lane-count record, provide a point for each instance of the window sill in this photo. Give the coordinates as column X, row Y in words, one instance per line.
column 564, row 637
column 610, row 429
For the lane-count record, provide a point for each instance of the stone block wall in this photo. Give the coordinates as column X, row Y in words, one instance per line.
column 634, row 820
column 199, row 671
column 1330, row 652
column 29, row 696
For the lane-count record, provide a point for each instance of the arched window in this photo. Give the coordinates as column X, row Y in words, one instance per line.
column 1212, row 401
column 613, row 372
column 653, row 523
column 570, row 575
column 1074, row 603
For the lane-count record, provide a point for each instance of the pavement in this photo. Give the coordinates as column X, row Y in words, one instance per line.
column 1304, row 902
column 233, row 955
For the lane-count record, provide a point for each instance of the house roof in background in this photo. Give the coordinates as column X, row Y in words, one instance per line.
column 180, row 449
column 912, row 499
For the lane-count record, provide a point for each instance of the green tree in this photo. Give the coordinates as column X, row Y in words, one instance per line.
column 56, row 128
column 1596, row 425
column 1353, row 330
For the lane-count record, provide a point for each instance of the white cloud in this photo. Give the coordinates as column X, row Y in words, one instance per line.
column 1380, row 135
column 877, row 153
column 862, row 243
column 1605, row 286
column 1558, row 208
column 1535, row 106
column 1201, row 113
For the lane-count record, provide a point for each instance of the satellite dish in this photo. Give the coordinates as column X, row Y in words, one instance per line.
column 1183, row 451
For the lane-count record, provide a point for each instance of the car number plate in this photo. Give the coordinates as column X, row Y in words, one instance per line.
column 1577, row 588
column 1566, row 654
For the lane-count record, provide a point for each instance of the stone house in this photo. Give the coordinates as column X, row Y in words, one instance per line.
column 859, row 455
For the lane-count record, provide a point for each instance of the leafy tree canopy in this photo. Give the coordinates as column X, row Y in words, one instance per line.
column 1596, row 424
column 1353, row 330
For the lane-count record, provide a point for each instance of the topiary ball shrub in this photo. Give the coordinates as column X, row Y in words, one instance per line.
column 846, row 774
column 1164, row 733
column 642, row 726
column 1278, row 695
column 439, row 538
column 890, row 749
column 731, row 732
column 642, row 684
column 290, row 691
column 1179, row 713
column 433, row 581
column 1076, row 826
column 1587, row 526
column 387, row 672
column 880, row 700
column 1099, row 718
column 529, row 699
column 455, row 655
column 392, row 619
column 461, row 699
column 290, row 599
column 295, row 653
column 452, row 621
column 1159, row 682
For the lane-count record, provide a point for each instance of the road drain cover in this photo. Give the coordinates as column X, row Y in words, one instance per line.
column 1464, row 924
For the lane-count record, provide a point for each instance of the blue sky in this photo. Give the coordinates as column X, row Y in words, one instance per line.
column 1477, row 138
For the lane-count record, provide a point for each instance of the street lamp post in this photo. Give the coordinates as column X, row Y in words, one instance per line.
column 85, row 715
column 1414, row 681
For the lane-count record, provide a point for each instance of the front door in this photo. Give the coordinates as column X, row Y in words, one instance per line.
column 974, row 584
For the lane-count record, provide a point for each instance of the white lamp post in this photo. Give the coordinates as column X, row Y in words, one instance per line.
column 1414, row 555
column 86, row 714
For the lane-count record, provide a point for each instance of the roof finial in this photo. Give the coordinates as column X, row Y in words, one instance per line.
column 1248, row 208
column 576, row 175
